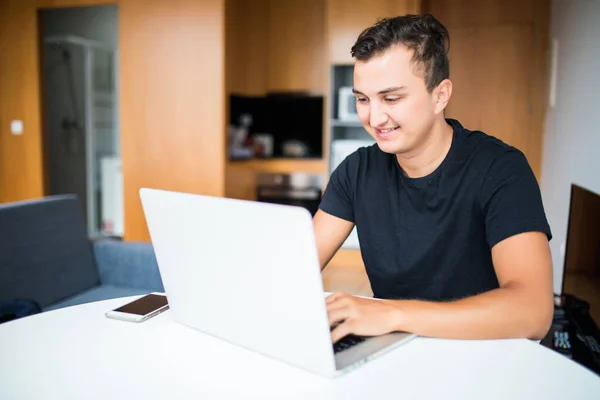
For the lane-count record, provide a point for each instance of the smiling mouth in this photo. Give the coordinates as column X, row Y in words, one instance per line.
column 386, row 132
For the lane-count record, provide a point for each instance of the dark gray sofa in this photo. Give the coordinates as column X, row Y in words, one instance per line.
column 46, row 256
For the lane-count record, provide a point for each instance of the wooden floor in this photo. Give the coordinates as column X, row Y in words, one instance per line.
column 346, row 273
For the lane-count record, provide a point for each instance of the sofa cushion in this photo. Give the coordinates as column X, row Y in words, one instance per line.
column 127, row 264
column 98, row 293
column 45, row 253
column 18, row 308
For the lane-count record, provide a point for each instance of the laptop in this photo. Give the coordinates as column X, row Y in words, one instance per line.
column 248, row 273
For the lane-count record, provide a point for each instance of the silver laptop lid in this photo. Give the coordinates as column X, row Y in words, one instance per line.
column 243, row 271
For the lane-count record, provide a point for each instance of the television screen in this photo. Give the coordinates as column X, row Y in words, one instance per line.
column 296, row 117
column 582, row 253
column 288, row 117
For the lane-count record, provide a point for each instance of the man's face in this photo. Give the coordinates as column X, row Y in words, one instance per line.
column 392, row 101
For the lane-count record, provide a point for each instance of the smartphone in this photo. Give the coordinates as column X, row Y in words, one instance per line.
column 142, row 309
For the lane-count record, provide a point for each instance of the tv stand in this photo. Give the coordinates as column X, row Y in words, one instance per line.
column 574, row 333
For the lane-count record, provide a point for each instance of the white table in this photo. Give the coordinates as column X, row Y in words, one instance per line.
column 77, row 353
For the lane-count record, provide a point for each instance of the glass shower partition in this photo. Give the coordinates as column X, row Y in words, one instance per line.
column 96, row 98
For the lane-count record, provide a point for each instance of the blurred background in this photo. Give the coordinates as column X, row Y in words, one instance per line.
column 250, row 99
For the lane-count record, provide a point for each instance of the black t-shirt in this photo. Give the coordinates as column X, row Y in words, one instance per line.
column 430, row 238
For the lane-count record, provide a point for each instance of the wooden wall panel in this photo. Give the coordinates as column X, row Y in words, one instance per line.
column 172, row 96
column 518, row 29
column 20, row 156
column 491, row 83
column 486, row 12
column 347, row 19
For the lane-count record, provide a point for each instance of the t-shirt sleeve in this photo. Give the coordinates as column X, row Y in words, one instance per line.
column 338, row 199
column 511, row 199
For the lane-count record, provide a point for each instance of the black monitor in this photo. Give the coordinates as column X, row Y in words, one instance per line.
column 581, row 275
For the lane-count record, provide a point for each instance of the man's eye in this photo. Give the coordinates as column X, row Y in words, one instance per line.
column 361, row 99
column 392, row 99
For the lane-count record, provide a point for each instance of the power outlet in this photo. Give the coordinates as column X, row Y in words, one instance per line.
column 16, row 127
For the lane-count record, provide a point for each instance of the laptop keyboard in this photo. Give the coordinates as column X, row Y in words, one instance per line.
column 347, row 342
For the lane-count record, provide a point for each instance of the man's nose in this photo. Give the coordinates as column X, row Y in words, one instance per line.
column 377, row 116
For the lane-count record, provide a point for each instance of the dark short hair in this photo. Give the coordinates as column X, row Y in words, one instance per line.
column 423, row 34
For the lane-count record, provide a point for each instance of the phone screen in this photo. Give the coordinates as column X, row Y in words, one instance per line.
column 144, row 305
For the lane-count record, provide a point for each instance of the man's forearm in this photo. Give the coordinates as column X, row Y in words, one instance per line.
column 501, row 313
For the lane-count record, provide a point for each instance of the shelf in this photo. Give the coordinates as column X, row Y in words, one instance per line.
column 346, row 124
column 280, row 165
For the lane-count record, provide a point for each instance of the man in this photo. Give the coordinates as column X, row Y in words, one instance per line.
column 450, row 221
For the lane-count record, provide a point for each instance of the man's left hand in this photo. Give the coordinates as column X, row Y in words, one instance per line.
column 360, row 316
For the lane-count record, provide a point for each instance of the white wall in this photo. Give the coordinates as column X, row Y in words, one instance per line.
column 571, row 151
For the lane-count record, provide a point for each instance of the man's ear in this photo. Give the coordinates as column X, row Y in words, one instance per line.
column 441, row 95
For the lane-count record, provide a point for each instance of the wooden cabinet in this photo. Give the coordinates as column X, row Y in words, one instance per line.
column 241, row 176
column 346, row 19
column 275, row 45
column 296, row 46
column 246, row 55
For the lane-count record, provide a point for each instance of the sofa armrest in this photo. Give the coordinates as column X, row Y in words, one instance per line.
column 127, row 264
